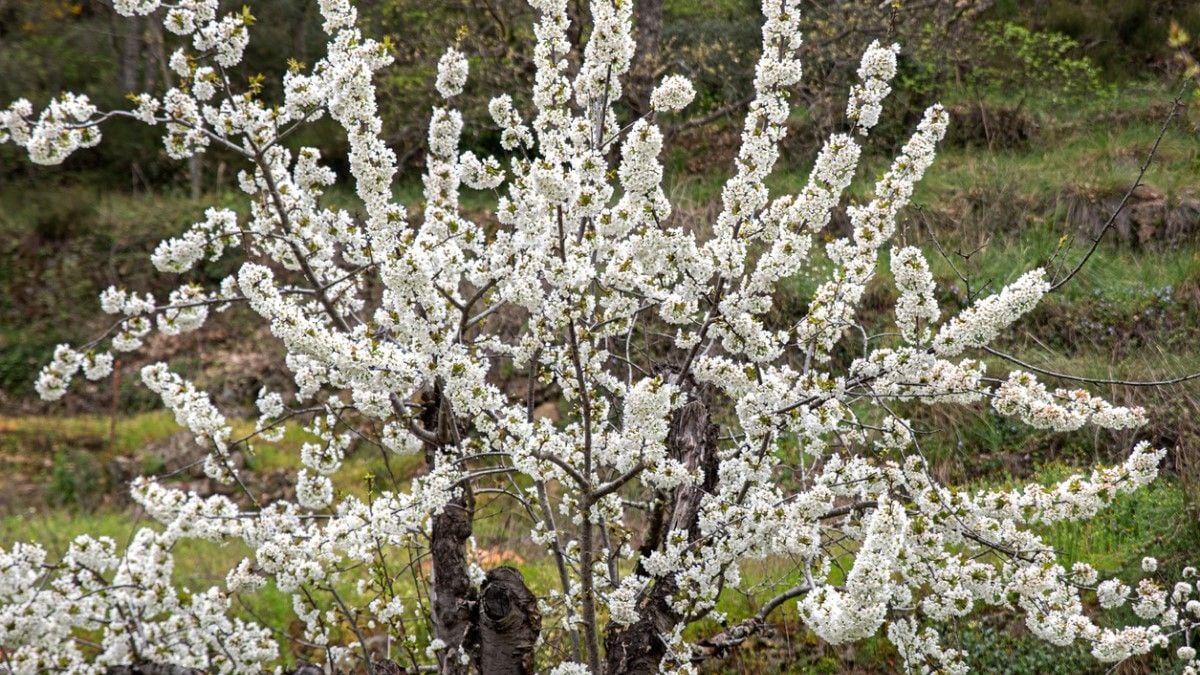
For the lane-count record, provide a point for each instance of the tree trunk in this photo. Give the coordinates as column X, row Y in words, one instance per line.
column 507, row 624
column 127, row 74
column 131, row 52
column 156, row 54
column 451, row 593
column 638, row 649
column 195, row 176
column 450, row 590
column 648, row 20
column 495, row 630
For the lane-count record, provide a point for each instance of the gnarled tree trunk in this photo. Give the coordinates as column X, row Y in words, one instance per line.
column 451, row 593
column 496, row 627
column 638, row 649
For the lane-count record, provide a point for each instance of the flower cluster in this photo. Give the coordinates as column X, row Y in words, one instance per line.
column 128, row 601
column 1062, row 410
column 832, row 309
column 675, row 92
column 857, row 612
column 194, row 411
column 54, row 379
column 452, row 72
column 979, row 324
column 916, row 302
column 63, row 127
column 876, row 72
column 207, row 238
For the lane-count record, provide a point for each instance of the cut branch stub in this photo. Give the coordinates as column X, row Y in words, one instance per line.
column 508, row 624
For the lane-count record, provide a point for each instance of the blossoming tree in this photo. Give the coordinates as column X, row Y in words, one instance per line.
column 668, row 473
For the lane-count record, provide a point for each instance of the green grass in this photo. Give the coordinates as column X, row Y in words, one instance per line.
column 1099, row 157
column 32, row 438
column 1144, row 523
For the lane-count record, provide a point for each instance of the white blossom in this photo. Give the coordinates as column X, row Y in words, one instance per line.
column 135, row 7
column 675, row 92
column 97, row 366
column 451, row 73
column 866, row 98
column 979, row 324
column 54, row 379
column 313, row 491
column 916, row 302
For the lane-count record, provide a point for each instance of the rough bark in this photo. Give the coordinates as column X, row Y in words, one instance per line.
column 693, row 440
column 507, row 624
column 451, row 593
column 654, row 531
column 638, row 649
column 388, row 667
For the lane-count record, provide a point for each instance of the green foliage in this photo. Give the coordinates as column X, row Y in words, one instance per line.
column 152, row 465
column 48, row 47
column 1006, row 650
column 59, row 247
column 419, row 31
column 1143, row 523
column 1006, row 63
column 75, row 480
column 1016, row 61
column 56, row 220
column 1124, row 37
column 22, row 354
